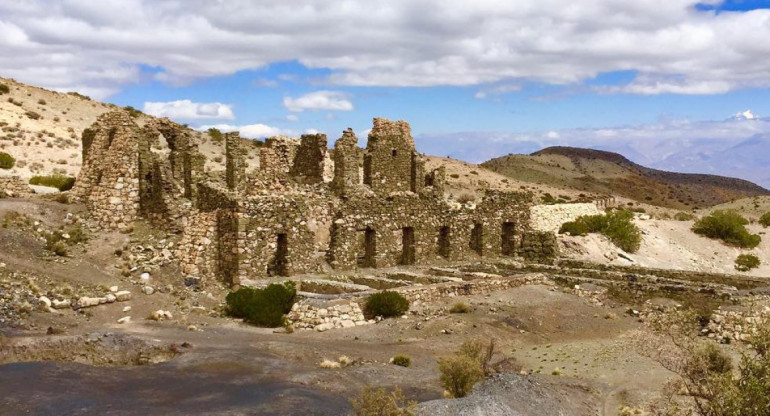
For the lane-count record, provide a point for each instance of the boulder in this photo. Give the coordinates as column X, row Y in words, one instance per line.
column 123, row 296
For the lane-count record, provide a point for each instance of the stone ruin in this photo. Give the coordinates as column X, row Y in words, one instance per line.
column 380, row 209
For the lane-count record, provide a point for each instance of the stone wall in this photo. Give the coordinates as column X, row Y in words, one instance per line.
column 277, row 156
column 539, row 246
column 108, row 182
column 737, row 323
column 323, row 315
column 14, row 187
column 308, row 164
column 389, row 157
column 551, row 217
column 347, row 160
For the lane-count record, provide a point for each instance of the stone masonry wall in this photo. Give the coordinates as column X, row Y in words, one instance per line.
column 551, row 217
column 347, row 159
column 14, row 187
column 389, row 157
column 108, row 182
column 277, row 156
column 308, row 164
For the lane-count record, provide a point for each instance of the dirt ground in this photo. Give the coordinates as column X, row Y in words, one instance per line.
column 553, row 349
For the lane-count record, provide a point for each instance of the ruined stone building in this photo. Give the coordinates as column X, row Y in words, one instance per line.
column 375, row 207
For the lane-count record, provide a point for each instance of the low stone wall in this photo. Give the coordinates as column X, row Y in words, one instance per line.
column 346, row 313
column 551, row 217
column 14, row 187
column 539, row 246
column 325, row 315
column 736, row 324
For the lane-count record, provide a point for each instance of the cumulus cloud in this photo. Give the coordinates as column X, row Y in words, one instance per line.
column 673, row 46
column 319, row 100
column 188, row 110
column 251, row 131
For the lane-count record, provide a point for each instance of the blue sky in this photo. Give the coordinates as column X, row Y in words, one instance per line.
column 503, row 76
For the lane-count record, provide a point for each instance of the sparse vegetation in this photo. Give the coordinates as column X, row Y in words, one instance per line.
column 746, row 262
column 215, row 134
column 133, row 112
column 460, row 307
column 379, row 402
column 6, row 161
column 466, row 197
column 402, row 360
column 707, row 383
column 469, row 365
column 385, row 304
column 41, row 102
column 60, row 182
column 615, row 224
column 764, row 220
column 684, row 216
column 263, row 307
column 59, row 241
column 33, row 115
column 728, row 226
column 4, row 89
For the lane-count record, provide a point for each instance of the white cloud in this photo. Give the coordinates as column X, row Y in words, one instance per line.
column 292, row 117
column 497, row 90
column 103, row 45
column 188, row 110
column 731, row 147
column 745, row 115
column 319, row 100
column 251, row 131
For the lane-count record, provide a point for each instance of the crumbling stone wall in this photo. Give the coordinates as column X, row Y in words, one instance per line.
column 108, row 183
column 412, row 229
column 14, row 187
column 235, row 165
column 277, row 156
column 347, row 160
column 551, row 217
column 308, row 164
column 390, row 158
column 539, row 246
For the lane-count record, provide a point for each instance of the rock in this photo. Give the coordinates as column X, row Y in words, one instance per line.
column 347, row 323
column 61, row 304
column 126, row 309
column 123, row 296
column 87, row 302
column 113, row 289
column 324, row 327
column 192, row 328
column 198, row 309
column 110, row 298
column 45, row 303
column 124, row 320
column 144, row 276
column 148, row 290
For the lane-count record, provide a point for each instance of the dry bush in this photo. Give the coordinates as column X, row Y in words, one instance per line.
column 469, row 365
column 379, row 402
column 466, row 197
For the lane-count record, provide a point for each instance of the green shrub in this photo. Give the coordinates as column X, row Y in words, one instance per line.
column 215, row 134
column 460, row 307
column 616, row 225
column 132, row 112
column 41, row 102
column 746, row 262
column 574, row 228
column 60, row 182
column 385, row 304
column 728, row 226
column 59, row 248
column 380, row 402
column 4, row 89
column 6, row 161
column 459, row 374
column 402, row 360
column 684, row 216
column 263, row 307
column 765, row 219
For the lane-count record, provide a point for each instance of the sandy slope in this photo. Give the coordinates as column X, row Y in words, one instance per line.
column 670, row 245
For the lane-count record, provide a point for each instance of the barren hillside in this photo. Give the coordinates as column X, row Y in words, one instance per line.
column 606, row 172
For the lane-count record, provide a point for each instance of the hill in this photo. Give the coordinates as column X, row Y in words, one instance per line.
column 598, row 171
